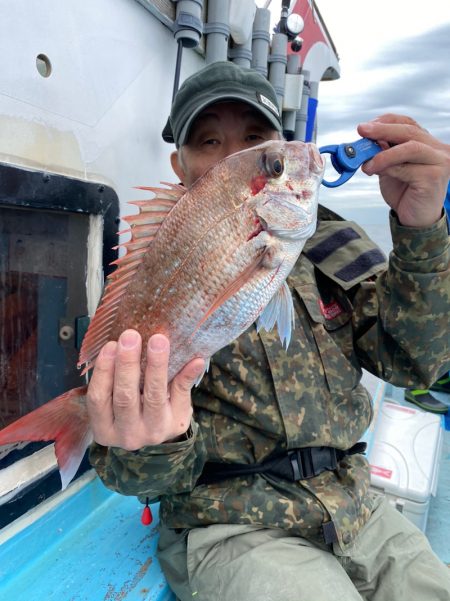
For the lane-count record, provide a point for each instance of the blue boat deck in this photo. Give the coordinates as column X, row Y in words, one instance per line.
column 90, row 547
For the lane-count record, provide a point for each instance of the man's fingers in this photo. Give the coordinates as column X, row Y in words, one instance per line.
column 126, row 397
column 404, row 128
column 394, row 118
column 99, row 397
column 155, row 380
column 118, row 417
column 394, row 133
column 180, row 394
column 410, row 153
column 188, row 376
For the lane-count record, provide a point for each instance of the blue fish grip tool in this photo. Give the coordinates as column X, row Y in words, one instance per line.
column 347, row 158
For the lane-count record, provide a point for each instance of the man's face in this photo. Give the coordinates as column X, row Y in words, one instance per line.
column 220, row 130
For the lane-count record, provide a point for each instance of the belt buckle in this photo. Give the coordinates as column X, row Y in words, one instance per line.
column 309, row 462
column 301, row 463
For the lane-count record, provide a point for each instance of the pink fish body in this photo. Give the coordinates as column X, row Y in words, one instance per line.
column 201, row 266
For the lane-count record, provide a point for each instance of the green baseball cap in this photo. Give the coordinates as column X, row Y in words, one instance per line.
column 219, row 82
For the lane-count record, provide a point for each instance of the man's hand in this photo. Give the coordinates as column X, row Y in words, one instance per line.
column 123, row 417
column 414, row 168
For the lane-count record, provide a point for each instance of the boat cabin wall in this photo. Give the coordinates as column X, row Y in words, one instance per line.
column 86, row 89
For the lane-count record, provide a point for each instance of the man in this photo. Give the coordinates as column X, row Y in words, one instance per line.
column 305, row 527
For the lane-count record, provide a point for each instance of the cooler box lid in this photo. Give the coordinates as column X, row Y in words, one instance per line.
column 405, row 455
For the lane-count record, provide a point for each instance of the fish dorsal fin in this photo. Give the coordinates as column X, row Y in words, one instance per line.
column 279, row 310
column 143, row 227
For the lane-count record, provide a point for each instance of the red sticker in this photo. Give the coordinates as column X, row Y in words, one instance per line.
column 331, row 310
column 376, row 470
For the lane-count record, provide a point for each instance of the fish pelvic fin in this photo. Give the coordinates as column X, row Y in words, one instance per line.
column 65, row 420
column 206, row 369
column 143, row 227
column 280, row 311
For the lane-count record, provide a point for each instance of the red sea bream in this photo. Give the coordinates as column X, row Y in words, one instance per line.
column 201, row 266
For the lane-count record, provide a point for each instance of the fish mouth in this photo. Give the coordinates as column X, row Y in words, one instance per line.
column 316, row 160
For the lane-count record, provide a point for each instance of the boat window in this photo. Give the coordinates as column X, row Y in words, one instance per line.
column 56, row 236
column 43, row 260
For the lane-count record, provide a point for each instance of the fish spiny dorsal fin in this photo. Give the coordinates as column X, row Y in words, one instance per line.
column 143, row 227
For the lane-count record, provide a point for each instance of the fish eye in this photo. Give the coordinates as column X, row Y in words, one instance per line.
column 273, row 164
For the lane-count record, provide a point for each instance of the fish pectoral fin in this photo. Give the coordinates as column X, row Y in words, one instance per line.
column 233, row 287
column 279, row 310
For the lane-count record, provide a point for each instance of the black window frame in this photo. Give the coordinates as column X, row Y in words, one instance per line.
column 21, row 187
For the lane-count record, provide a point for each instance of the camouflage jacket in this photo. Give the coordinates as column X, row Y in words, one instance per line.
column 352, row 312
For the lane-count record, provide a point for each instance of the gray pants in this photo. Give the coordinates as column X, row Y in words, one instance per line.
column 391, row 560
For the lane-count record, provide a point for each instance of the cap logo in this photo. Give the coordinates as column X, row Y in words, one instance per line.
column 264, row 100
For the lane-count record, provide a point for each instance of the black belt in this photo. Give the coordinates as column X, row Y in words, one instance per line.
column 297, row 464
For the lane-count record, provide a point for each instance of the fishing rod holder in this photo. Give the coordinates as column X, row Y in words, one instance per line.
column 188, row 25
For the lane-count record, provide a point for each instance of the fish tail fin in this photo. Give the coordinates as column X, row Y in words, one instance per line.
column 65, row 420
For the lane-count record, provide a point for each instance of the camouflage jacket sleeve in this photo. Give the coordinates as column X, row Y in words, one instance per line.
column 169, row 468
column 406, row 339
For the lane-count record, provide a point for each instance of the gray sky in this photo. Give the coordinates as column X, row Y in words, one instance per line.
column 394, row 57
column 403, row 69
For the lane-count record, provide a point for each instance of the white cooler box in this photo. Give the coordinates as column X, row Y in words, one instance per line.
column 404, row 459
